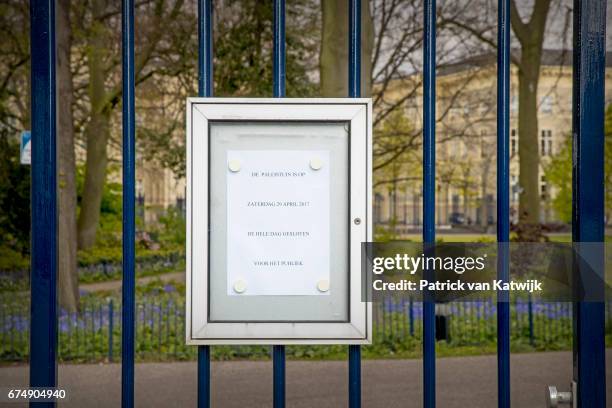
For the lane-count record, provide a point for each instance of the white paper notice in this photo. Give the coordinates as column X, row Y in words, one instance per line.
column 278, row 204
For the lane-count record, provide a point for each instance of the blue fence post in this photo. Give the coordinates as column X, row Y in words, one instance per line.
column 279, row 49
column 129, row 190
column 503, row 201
column 43, row 298
column 203, row 376
column 111, row 328
column 429, row 190
column 411, row 316
column 12, row 334
column 588, row 195
column 279, row 68
column 205, row 88
column 354, row 79
column 278, row 362
column 530, row 319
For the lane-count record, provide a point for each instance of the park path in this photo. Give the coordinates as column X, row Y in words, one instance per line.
column 461, row 382
column 114, row 285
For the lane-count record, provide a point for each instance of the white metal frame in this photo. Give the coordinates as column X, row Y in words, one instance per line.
column 199, row 330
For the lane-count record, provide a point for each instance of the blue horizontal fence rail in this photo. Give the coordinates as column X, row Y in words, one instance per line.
column 94, row 334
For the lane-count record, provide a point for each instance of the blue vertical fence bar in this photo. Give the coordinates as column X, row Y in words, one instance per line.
column 411, row 316
column 588, row 192
column 279, row 49
column 354, row 91
column 530, row 319
column 354, row 67
column 205, row 44
column 129, row 223
column 43, row 307
column 279, row 69
column 205, row 88
column 111, row 328
column 429, row 199
column 278, row 362
column 503, row 201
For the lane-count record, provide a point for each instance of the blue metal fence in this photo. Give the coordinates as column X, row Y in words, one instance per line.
column 278, row 84
column 354, row 91
column 429, row 191
column 205, row 88
column 503, row 201
column 589, row 318
column 94, row 333
column 588, row 192
column 43, row 283
column 129, row 206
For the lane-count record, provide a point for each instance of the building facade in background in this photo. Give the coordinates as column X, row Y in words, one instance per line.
column 466, row 139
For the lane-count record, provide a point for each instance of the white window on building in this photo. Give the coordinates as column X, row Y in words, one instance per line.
column 543, row 188
column 484, row 149
column 462, row 149
column 483, row 108
column 550, row 144
column 546, row 145
column 514, row 104
column 546, row 104
column 454, row 112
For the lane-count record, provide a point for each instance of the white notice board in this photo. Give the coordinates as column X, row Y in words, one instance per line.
column 278, row 222
column 278, row 204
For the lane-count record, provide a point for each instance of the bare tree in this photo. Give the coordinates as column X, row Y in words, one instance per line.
column 397, row 79
column 15, row 117
column 103, row 89
column 530, row 34
column 333, row 59
column 68, row 277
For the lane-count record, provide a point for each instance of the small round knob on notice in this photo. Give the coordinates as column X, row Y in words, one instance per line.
column 316, row 164
column 357, row 221
column 234, row 165
column 323, row 285
column 240, row 286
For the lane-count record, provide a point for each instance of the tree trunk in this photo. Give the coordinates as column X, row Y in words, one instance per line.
column 528, row 149
column 67, row 263
column 367, row 46
column 447, row 209
column 333, row 62
column 484, row 186
column 531, row 37
column 96, row 135
column 466, row 193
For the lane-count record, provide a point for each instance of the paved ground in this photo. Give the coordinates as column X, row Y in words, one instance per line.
column 462, row 382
